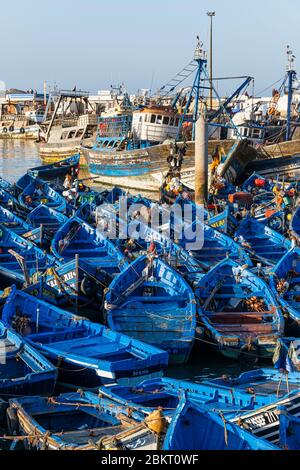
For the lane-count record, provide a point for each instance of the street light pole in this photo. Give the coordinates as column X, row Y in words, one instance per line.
column 211, row 14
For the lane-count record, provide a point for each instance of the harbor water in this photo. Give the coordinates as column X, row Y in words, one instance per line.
column 15, row 158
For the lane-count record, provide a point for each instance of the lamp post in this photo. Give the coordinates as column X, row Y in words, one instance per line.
column 211, row 14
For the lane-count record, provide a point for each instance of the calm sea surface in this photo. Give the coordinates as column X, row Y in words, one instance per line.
column 15, row 158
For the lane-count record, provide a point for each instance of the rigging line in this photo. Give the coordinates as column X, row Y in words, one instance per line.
column 224, row 109
column 223, row 78
column 272, row 84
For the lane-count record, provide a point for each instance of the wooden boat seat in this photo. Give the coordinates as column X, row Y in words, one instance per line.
column 236, row 320
column 254, row 328
column 58, row 334
column 155, row 298
column 96, row 347
column 264, row 313
column 237, row 295
column 242, row 318
column 81, row 437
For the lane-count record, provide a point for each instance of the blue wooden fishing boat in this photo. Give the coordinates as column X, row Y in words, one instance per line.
column 130, row 162
column 164, row 393
column 12, row 222
column 56, row 170
column 252, row 389
column 194, row 427
column 46, row 218
column 76, row 237
column 264, row 422
column 38, row 192
column 266, row 385
column 21, row 255
column 264, row 244
column 209, row 246
column 295, row 223
column 87, row 354
column 285, row 283
column 23, row 370
column 239, row 312
column 74, row 283
column 150, row 300
column 77, row 421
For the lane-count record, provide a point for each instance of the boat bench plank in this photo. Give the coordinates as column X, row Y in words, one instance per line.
column 255, row 328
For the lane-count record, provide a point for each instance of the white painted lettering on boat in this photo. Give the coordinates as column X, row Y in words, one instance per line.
column 140, row 372
column 263, row 419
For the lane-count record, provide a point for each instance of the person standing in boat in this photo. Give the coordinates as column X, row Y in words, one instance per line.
column 152, row 249
column 216, row 160
column 67, row 184
column 181, row 154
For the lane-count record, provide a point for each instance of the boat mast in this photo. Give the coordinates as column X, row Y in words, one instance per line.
column 201, row 60
column 211, row 14
column 291, row 75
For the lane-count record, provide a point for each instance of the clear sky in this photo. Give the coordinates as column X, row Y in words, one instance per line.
column 93, row 43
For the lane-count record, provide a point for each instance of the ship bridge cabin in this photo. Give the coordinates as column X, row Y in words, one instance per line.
column 140, row 129
column 155, row 124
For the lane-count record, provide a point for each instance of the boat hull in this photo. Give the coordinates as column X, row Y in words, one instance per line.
column 283, row 167
column 78, row 423
column 56, row 170
column 142, row 168
column 283, row 149
column 264, row 422
column 29, row 133
column 54, row 152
